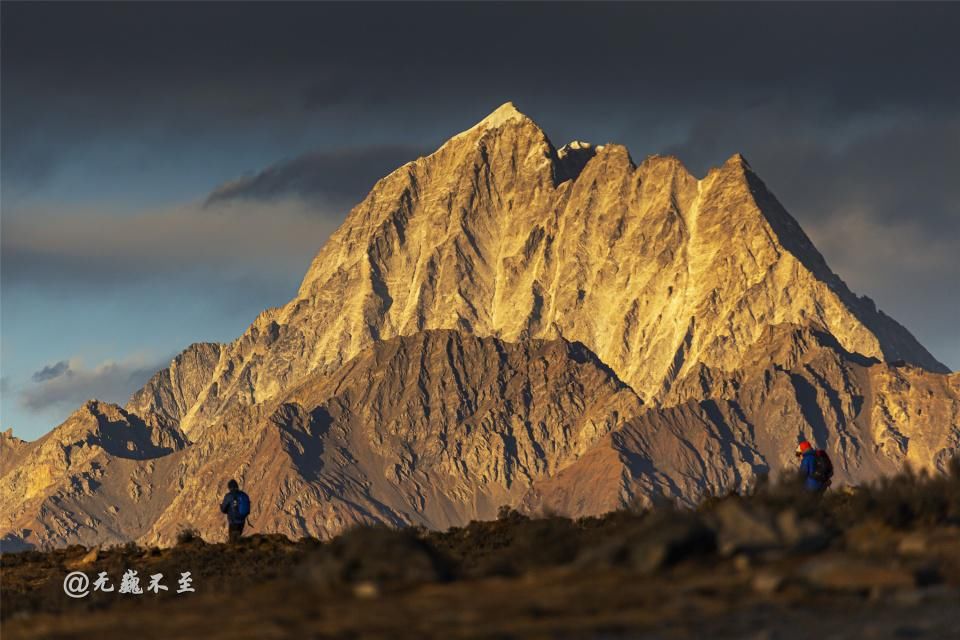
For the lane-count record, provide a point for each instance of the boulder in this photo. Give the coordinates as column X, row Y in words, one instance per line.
column 799, row 534
column 743, row 528
column 368, row 560
column 662, row 541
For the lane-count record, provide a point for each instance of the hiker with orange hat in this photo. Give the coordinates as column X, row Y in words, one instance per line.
column 816, row 470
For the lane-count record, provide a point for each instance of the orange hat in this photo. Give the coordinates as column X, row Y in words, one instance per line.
column 803, row 447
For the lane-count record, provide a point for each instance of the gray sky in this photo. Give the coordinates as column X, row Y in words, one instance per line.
column 168, row 170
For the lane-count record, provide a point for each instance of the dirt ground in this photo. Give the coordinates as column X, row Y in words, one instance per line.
column 875, row 563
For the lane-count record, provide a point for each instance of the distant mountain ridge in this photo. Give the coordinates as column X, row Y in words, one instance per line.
column 658, row 307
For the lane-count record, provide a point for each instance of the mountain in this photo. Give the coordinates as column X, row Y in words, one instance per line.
column 495, row 233
column 725, row 429
column 90, row 480
column 505, row 322
column 432, row 429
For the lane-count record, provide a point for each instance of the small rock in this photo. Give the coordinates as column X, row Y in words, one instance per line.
column 741, row 562
column 845, row 574
column 649, row 557
column 871, row 537
column 803, row 536
column 767, row 582
column 88, row 559
column 744, row 529
column 366, row 590
column 913, row 544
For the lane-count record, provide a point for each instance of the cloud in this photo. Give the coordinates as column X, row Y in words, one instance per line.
column 878, row 189
column 74, row 383
column 906, row 267
column 341, row 177
column 50, row 372
column 869, row 248
column 271, row 222
column 66, row 248
column 75, row 75
column 895, row 164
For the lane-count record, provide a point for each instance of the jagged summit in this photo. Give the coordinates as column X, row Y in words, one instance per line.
column 738, row 159
column 577, row 146
column 504, row 113
column 573, row 157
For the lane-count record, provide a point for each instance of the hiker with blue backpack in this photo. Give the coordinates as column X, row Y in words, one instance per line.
column 236, row 504
column 816, row 470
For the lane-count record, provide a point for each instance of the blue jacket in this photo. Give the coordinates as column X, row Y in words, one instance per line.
column 807, row 464
column 227, row 507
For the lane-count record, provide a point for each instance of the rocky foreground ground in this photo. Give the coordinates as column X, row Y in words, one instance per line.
column 875, row 562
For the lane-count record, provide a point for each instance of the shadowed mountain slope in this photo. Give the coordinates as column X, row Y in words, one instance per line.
column 723, row 430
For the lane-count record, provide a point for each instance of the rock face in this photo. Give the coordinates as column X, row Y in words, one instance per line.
column 725, row 429
column 170, row 395
column 503, row 321
column 432, row 429
column 97, row 478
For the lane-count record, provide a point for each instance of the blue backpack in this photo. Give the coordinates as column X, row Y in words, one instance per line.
column 241, row 504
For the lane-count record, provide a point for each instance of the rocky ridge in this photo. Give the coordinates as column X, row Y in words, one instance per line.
column 724, row 431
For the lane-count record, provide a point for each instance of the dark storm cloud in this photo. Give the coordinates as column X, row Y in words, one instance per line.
column 79, row 71
column 898, row 165
column 50, row 372
column 74, row 74
column 341, row 177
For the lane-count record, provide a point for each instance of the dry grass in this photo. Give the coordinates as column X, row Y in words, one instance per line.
column 628, row 550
